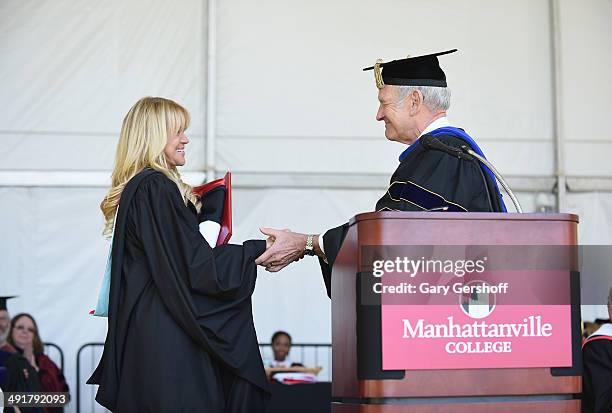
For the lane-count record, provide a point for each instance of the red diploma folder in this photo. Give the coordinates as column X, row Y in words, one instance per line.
column 226, row 218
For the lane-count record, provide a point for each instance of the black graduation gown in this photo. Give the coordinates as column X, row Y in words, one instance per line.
column 458, row 181
column 180, row 327
column 20, row 377
column 4, row 356
column 597, row 376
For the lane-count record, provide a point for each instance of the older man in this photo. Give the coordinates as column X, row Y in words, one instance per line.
column 597, row 375
column 5, row 323
column 434, row 173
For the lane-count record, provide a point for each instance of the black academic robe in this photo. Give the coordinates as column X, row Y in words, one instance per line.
column 597, row 376
column 460, row 182
column 20, row 377
column 180, row 326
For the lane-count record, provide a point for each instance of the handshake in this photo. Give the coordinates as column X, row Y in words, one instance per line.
column 284, row 247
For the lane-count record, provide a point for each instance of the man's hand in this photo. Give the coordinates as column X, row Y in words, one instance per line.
column 269, row 243
column 287, row 247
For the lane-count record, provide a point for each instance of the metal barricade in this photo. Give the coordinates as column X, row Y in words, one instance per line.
column 55, row 353
column 87, row 359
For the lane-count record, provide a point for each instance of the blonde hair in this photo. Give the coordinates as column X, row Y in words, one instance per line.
column 144, row 133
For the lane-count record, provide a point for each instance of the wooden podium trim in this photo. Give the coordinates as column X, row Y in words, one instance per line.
column 471, row 216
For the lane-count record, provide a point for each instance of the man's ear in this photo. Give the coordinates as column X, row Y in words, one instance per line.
column 416, row 101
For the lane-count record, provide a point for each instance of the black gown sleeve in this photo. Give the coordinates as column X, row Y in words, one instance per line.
column 169, row 233
column 332, row 241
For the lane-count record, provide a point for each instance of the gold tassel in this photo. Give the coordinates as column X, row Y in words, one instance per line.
column 378, row 75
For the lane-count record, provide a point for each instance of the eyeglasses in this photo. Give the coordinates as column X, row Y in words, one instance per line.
column 24, row 328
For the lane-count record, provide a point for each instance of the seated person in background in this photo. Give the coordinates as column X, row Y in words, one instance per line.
column 24, row 337
column 4, row 356
column 597, row 373
column 5, row 323
column 281, row 345
column 20, row 376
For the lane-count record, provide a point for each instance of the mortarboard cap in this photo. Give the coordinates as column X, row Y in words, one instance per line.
column 413, row 71
column 3, row 301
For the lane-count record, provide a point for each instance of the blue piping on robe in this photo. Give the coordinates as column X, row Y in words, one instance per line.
column 460, row 133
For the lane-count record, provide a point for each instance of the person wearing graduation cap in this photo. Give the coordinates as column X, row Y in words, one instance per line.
column 597, row 373
column 5, row 324
column 435, row 173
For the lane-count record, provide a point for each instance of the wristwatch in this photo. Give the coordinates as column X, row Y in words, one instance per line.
column 309, row 248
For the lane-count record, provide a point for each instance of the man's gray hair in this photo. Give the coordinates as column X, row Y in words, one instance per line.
column 436, row 99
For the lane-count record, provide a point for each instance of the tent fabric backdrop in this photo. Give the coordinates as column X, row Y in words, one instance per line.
column 291, row 103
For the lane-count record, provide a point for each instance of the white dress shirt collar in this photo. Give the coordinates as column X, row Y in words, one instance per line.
column 604, row 330
column 438, row 123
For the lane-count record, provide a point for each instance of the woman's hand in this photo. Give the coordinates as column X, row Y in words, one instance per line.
column 287, row 247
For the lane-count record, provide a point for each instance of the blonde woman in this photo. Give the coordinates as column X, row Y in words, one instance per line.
column 180, row 326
